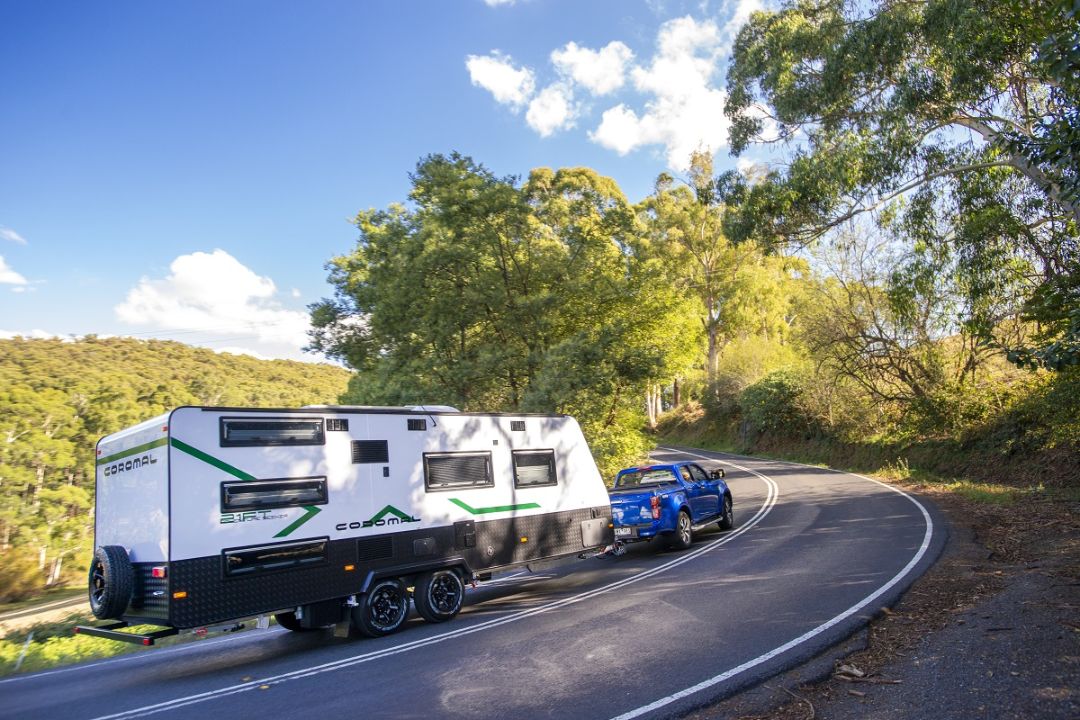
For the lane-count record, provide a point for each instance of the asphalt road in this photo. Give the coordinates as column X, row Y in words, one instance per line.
column 813, row 556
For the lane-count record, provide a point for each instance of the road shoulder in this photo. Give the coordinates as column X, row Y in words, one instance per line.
column 992, row 630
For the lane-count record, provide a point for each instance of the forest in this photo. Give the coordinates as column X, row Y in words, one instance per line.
column 58, row 397
column 899, row 289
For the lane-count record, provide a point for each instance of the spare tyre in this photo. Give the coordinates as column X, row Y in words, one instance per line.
column 111, row 581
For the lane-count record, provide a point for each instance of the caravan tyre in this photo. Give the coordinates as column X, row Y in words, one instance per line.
column 382, row 609
column 289, row 621
column 111, row 581
column 438, row 595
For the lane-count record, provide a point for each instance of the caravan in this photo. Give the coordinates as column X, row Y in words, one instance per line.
column 330, row 515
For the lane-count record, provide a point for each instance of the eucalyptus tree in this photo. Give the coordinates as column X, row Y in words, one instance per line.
column 956, row 116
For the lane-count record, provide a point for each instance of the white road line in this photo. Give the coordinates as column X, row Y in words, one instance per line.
column 770, row 501
column 727, row 675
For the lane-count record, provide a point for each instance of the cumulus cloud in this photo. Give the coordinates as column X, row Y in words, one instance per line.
column 10, row 235
column 9, row 277
column 673, row 100
column 496, row 73
column 685, row 112
column 599, row 71
column 216, row 296
column 552, row 109
column 33, row 334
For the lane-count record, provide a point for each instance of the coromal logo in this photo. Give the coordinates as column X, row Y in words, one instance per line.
column 248, row 516
column 380, row 519
column 127, row 465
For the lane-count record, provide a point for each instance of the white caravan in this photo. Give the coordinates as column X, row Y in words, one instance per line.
column 326, row 515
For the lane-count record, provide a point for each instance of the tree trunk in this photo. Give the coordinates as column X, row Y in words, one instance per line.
column 676, row 395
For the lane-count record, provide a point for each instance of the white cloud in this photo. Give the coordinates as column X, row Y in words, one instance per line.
column 553, row 109
column 8, row 234
column 599, row 71
column 214, row 296
column 8, row 276
column 685, row 112
column 743, row 10
column 497, row 3
column 496, row 73
column 33, row 334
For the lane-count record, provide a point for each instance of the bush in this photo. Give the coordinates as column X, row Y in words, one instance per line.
column 774, row 405
column 20, row 577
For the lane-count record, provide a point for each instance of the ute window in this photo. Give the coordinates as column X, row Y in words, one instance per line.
column 248, row 432
column 238, row 495
column 258, row 559
column 534, row 468
column 649, row 476
column 453, row 471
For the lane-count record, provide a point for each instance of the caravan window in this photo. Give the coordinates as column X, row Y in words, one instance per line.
column 239, row 495
column 264, row 558
column 452, row 471
column 534, row 468
column 248, row 432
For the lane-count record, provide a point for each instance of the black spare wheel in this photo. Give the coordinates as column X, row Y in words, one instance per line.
column 111, row 581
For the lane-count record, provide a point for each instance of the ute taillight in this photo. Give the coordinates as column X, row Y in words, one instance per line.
column 655, row 502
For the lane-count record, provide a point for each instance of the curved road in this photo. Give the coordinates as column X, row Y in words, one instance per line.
column 815, row 554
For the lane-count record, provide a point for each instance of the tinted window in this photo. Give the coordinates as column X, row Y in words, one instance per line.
column 269, row 494
column 246, row 432
column 448, row 471
column 699, row 474
column 533, row 468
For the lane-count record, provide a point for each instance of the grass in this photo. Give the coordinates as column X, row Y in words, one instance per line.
column 48, row 596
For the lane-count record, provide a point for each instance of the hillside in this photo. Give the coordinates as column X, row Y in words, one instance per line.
column 58, row 397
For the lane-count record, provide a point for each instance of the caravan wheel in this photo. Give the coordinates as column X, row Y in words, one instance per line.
column 111, row 581
column 289, row 621
column 439, row 595
column 382, row 609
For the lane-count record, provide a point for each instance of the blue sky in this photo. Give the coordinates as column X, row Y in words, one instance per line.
column 184, row 170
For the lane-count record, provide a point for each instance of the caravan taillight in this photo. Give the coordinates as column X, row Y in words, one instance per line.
column 158, row 572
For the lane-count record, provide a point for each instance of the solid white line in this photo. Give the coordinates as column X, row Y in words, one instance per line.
column 770, row 501
column 715, row 680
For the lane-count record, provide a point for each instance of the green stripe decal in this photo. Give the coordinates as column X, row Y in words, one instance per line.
column 500, row 508
column 133, row 451
column 310, row 510
column 211, row 460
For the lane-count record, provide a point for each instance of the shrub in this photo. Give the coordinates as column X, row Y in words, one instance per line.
column 20, row 577
column 774, row 405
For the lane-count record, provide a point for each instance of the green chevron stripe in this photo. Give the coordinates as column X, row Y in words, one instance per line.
column 211, row 460
column 499, row 508
column 310, row 510
column 138, row 449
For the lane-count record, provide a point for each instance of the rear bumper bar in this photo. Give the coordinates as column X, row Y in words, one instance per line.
column 112, row 632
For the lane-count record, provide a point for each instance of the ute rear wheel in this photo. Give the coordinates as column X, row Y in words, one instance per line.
column 684, row 534
column 111, row 581
column 439, row 595
column 382, row 609
column 727, row 517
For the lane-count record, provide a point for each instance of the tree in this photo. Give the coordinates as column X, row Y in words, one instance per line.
column 487, row 294
column 736, row 288
column 957, row 114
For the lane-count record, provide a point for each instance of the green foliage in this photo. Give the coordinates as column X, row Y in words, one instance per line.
column 774, row 404
column 58, row 397
column 20, row 577
column 954, row 121
column 488, row 294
